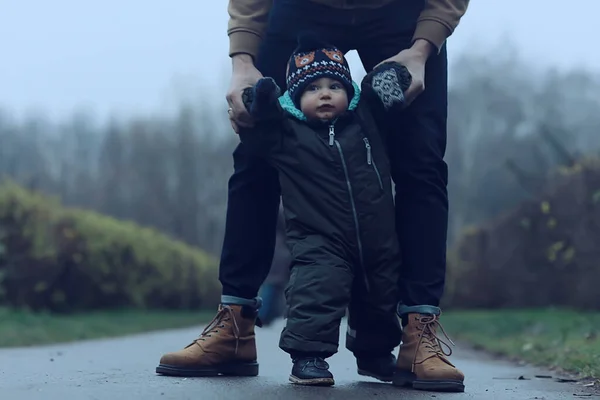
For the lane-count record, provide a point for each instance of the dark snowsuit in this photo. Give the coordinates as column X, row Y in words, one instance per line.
column 339, row 209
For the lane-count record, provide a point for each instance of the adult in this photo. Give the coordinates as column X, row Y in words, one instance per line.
column 262, row 35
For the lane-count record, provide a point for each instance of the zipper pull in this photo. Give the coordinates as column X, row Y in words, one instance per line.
column 331, row 135
column 368, row 147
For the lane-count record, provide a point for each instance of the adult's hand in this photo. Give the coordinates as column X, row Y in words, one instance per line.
column 414, row 59
column 244, row 75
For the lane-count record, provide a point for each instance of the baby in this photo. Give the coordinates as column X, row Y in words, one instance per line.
column 337, row 197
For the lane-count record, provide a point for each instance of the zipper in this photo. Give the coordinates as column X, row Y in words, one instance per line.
column 332, row 141
column 370, row 161
column 331, row 135
column 369, row 155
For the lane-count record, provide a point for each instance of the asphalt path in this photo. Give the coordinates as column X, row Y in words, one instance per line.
column 123, row 368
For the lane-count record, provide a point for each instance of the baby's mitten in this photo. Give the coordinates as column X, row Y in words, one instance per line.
column 261, row 99
column 388, row 82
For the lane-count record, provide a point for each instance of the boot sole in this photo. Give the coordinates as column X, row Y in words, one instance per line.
column 312, row 382
column 410, row 380
column 364, row 372
column 237, row 369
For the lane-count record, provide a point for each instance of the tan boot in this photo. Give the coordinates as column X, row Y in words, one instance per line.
column 227, row 346
column 422, row 364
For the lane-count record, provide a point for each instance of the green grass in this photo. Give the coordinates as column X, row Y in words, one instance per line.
column 22, row 328
column 564, row 339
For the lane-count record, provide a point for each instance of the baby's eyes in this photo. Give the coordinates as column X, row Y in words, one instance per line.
column 334, row 86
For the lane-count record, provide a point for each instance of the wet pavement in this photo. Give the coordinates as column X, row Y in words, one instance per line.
column 124, row 369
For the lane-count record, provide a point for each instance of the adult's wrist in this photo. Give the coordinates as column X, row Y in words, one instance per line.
column 242, row 60
column 423, row 48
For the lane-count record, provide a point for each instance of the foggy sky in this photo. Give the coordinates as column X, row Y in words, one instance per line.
column 140, row 56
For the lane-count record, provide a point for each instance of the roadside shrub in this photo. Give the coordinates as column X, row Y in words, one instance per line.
column 65, row 259
column 546, row 252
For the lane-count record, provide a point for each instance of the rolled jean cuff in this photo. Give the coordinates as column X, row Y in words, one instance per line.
column 240, row 301
column 421, row 309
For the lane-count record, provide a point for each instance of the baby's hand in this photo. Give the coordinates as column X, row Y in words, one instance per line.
column 261, row 99
column 389, row 81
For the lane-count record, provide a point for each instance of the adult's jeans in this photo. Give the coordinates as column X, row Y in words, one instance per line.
column 417, row 143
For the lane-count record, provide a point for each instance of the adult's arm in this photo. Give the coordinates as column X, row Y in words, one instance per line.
column 247, row 24
column 438, row 20
column 435, row 24
column 246, row 27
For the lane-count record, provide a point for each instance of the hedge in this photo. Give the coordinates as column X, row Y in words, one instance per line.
column 543, row 253
column 65, row 260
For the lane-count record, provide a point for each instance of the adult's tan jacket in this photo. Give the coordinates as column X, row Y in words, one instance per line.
column 248, row 20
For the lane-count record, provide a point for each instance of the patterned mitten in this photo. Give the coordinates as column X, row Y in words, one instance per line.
column 261, row 99
column 388, row 82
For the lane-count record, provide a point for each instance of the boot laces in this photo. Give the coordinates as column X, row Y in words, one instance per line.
column 225, row 314
column 431, row 342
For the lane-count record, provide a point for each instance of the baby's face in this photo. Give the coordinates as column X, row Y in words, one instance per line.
column 324, row 99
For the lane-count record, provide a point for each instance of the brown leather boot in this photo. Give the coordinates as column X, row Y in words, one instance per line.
column 227, row 346
column 422, row 364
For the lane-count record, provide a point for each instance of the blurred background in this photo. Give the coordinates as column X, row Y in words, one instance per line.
column 115, row 139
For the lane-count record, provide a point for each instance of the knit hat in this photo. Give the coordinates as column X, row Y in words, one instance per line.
column 313, row 59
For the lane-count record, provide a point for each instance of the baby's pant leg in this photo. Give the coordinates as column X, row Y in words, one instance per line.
column 317, row 296
column 373, row 325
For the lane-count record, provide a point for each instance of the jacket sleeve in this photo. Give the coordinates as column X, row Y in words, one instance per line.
column 262, row 103
column 247, row 24
column 382, row 95
column 438, row 20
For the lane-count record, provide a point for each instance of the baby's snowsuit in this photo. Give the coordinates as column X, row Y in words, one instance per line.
column 339, row 209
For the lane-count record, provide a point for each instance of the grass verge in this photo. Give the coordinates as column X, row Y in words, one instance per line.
column 22, row 328
column 568, row 340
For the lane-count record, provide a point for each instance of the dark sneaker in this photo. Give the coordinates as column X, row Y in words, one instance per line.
column 311, row 371
column 381, row 368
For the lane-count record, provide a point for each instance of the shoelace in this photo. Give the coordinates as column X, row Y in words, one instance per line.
column 429, row 339
column 224, row 314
